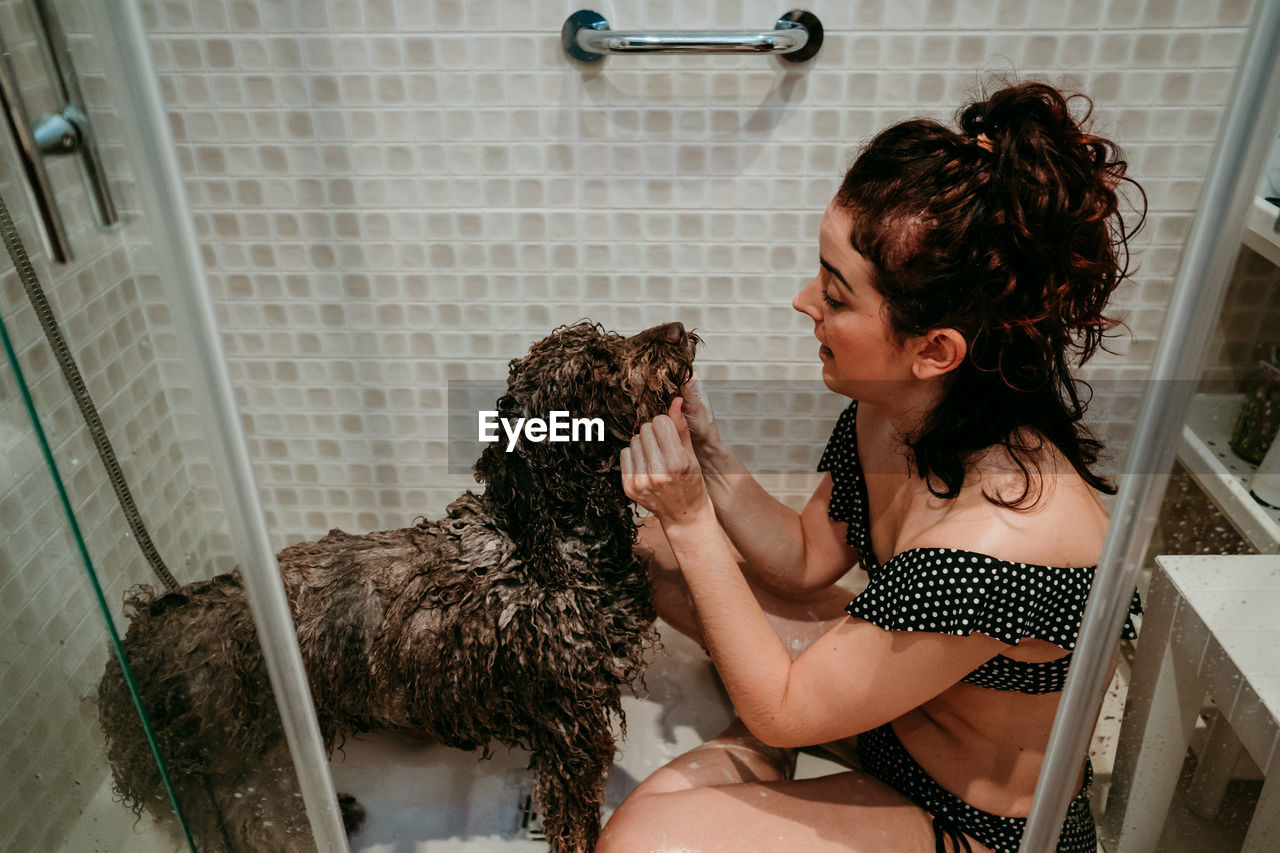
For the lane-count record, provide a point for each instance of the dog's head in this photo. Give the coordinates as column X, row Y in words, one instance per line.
column 588, row 373
column 593, row 373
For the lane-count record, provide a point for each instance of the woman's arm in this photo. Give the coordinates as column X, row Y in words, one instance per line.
column 856, row 677
column 785, row 552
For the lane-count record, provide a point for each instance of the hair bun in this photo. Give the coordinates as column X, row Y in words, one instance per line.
column 1025, row 116
column 975, row 124
column 1053, row 205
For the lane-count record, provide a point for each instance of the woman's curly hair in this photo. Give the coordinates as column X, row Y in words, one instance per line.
column 1009, row 232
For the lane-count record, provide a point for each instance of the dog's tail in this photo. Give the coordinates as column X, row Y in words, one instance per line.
column 135, row 776
column 203, row 683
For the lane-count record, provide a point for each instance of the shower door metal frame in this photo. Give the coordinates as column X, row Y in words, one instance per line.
column 127, row 57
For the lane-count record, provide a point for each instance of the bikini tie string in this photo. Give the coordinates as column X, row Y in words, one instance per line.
column 944, row 830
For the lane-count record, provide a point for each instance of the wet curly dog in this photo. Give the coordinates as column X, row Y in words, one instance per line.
column 515, row 618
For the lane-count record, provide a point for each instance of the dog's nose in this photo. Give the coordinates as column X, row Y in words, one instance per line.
column 672, row 333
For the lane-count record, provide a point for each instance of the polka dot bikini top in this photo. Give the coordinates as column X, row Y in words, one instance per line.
column 951, row 591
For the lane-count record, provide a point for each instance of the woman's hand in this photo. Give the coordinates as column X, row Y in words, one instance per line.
column 703, row 431
column 660, row 470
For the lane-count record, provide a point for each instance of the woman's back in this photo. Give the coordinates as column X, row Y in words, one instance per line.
column 963, row 737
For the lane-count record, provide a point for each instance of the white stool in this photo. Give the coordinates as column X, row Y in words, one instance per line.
column 1212, row 624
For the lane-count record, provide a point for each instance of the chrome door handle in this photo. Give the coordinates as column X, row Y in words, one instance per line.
column 66, row 132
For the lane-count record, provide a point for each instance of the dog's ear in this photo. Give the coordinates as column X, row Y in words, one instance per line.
column 579, row 369
column 521, row 505
column 603, row 391
column 518, row 496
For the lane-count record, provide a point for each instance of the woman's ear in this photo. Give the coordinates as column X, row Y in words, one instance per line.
column 938, row 352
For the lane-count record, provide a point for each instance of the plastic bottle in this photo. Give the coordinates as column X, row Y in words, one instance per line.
column 1265, row 485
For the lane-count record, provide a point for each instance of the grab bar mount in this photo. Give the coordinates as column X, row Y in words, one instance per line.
column 795, row 37
column 57, row 134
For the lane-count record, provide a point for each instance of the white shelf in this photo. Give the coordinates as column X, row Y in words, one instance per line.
column 1206, row 454
column 1261, row 224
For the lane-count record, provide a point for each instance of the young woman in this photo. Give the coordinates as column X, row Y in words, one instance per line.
column 960, row 276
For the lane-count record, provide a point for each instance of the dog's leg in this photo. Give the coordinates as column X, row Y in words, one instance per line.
column 569, row 766
column 353, row 813
column 216, row 812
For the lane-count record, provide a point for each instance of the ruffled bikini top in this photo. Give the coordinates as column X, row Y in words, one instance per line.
column 952, row 591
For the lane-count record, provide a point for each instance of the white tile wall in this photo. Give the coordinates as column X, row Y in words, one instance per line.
column 392, row 194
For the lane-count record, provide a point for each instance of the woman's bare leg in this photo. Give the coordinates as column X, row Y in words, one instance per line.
column 799, row 621
column 733, row 794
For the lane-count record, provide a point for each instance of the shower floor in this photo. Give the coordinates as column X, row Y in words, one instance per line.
column 428, row 798
column 424, row 798
column 402, row 784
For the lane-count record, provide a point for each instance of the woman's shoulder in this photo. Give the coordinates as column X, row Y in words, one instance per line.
column 1061, row 521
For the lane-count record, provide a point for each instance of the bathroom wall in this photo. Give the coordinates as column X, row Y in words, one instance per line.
column 395, row 194
column 53, row 633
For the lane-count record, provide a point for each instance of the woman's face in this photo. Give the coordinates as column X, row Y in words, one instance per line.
column 860, row 356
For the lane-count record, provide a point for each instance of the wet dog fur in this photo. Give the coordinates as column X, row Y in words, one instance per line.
column 516, row 618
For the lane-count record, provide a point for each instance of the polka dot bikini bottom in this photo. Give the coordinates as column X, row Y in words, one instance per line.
column 884, row 757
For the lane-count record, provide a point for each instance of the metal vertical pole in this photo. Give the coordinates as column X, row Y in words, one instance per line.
column 1207, row 260
column 127, row 57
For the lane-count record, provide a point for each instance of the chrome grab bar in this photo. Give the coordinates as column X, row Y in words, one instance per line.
column 796, row 37
column 66, row 132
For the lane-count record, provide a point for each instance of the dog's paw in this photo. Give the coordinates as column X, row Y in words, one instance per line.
column 352, row 813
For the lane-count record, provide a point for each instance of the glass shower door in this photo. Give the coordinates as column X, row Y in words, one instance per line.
column 69, row 556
